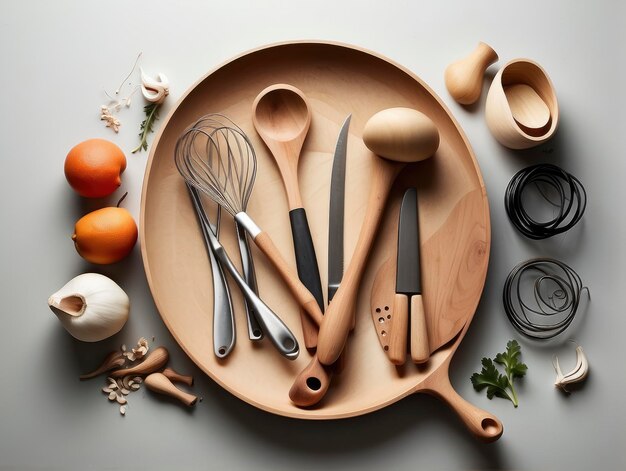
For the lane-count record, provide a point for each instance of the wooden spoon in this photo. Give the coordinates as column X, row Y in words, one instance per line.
column 282, row 116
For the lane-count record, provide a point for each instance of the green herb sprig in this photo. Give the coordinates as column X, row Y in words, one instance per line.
column 497, row 384
column 152, row 114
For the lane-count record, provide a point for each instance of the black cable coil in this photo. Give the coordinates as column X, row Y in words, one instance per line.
column 571, row 204
column 553, row 303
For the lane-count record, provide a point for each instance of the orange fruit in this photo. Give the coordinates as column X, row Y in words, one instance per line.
column 93, row 168
column 105, row 236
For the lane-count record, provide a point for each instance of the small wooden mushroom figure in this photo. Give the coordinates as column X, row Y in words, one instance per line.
column 464, row 78
column 159, row 383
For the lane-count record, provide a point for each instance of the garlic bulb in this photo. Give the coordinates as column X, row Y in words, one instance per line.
column 91, row 307
column 578, row 374
column 153, row 90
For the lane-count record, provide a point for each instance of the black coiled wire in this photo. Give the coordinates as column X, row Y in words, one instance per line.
column 550, row 307
column 571, row 204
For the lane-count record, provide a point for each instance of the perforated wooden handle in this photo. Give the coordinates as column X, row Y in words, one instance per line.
column 299, row 291
column 311, row 384
column 420, row 350
column 399, row 329
column 485, row 426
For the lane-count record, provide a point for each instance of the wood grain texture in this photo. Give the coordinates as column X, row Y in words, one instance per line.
column 418, row 333
column 464, row 78
column 282, row 117
column 500, row 113
column 299, row 291
column 337, row 80
column 398, row 333
column 453, row 262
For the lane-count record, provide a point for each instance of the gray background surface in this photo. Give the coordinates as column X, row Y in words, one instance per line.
column 57, row 56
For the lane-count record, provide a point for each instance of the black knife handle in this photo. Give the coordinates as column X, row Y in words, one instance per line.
column 306, row 261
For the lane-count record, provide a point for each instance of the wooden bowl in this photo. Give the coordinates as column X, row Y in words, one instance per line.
column 522, row 110
column 337, row 80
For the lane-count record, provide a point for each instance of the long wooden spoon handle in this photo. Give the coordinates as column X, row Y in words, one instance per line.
column 338, row 318
column 299, row 291
column 420, row 348
column 399, row 329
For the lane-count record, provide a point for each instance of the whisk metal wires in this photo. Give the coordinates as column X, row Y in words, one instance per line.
column 216, row 156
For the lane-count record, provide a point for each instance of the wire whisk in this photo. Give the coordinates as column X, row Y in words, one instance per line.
column 216, row 157
column 228, row 181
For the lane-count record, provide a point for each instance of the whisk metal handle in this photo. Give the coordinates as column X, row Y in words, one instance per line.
column 280, row 335
column 223, row 318
column 254, row 329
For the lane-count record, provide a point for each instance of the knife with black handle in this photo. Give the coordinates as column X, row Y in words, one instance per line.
column 408, row 307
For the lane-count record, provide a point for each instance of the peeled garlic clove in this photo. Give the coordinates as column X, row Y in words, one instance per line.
column 578, row 374
column 153, row 90
column 91, row 307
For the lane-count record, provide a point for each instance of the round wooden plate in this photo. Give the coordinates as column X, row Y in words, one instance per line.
column 337, row 80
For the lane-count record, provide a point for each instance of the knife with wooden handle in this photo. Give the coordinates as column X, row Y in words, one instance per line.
column 408, row 308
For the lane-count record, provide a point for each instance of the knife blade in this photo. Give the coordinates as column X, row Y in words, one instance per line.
column 336, row 211
column 408, row 288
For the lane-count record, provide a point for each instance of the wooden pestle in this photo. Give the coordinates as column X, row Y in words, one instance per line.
column 464, row 78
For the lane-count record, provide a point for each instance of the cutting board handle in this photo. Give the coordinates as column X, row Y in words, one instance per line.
column 482, row 424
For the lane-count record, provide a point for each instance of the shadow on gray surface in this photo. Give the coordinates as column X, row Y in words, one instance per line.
column 345, row 437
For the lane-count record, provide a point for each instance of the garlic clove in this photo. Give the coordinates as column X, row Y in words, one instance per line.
column 576, row 375
column 91, row 307
column 153, row 90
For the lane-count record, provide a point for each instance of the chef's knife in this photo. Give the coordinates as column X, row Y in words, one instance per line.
column 336, row 212
column 408, row 287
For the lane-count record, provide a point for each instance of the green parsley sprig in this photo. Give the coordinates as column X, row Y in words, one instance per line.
column 497, row 384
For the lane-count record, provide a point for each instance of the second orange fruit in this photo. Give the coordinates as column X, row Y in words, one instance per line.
column 105, row 236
